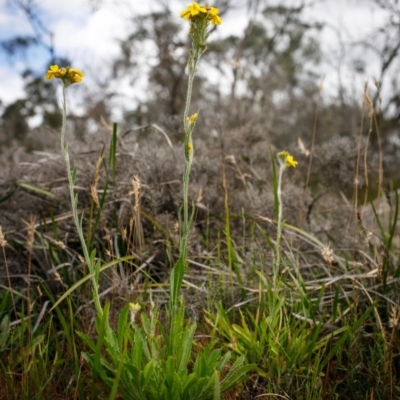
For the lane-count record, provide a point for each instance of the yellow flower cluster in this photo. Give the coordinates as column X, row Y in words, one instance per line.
column 134, row 308
column 287, row 159
column 196, row 10
column 192, row 119
column 67, row 75
column 290, row 161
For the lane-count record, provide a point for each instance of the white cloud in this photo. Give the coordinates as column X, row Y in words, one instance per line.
column 11, row 85
column 89, row 38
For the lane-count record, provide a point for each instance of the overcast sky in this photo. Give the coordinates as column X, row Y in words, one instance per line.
column 86, row 31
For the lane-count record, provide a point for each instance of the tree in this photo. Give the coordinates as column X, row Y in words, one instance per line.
column 385, row 43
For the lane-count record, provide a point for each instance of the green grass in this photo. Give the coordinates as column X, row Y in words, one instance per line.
column 310, row 336
column 309, row 328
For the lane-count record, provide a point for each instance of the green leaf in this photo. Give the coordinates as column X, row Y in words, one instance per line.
column 217, row 386
column 86, row 339
column 4, row 330
column 73, row 176
column 35, row 189
column 148, row 373
column 186, row 347
column 122, row 325
column 176, row 281
column 189, row 382
column 173, row 381
column 236, row 374
column 9, row 194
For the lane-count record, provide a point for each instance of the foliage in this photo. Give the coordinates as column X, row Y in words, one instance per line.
column 148, row 362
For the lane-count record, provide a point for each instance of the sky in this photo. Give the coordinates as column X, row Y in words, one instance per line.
column 87, row 32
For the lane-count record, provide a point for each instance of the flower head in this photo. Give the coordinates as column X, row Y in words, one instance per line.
column 55, row 72
column 208, row 13
column 134, row 308
column 192, row 10
column 286, row 159
column 67, row 75
column 192, row 119
column 75, row 75
column 213, row 16
column 291, row 162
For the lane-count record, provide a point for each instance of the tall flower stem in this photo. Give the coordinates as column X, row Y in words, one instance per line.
column 200, row 18
column 188, row 157
column 279, row 229
column 285, row 160
column 189, row 123
column 74, row 205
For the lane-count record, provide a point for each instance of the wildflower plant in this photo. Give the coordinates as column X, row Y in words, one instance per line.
column 285, row 161
column 200, row 18
column 69, row 76
column 144, row 360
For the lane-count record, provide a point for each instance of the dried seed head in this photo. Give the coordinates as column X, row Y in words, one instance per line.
column 230, row 159
column 93, row 192
column 302, row 147
column 60, row 244
column 394, row 320
column 57, row 276
column 200, row 195
column 135, row 221
column 31, row 231
column 327, row 254
column 93, row 187
column 135, row 192
column 368, row 237
column 3, row 242
column 123, row 233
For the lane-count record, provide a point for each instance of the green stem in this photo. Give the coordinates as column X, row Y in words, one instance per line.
column 188, row 100
column 179, row 269
column 74, row 206
column 188, row 160
column 279, row 230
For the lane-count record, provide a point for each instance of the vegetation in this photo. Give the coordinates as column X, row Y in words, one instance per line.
column 262, row 274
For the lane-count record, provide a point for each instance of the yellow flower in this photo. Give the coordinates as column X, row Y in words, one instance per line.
column 55, row 72
column 192, row 10
column 75, row 75
column 189, row 148
column 286, row 159
column 213, row 15
column 135, row 307
column 291, row 162
column 67, row 75
column 192, row 118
